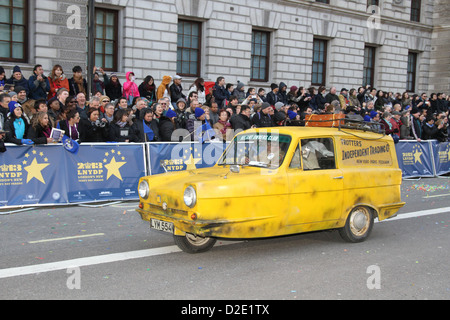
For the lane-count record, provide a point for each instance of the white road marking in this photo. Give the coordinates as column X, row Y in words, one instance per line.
column 437, row 196
column 67, row 238
column 82, row 262
column 418, row 214
column 115, row 257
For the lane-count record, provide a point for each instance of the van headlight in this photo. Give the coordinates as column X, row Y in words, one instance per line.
column 143, row 189
column 190, row 197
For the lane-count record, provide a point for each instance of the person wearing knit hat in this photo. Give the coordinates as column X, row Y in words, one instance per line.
column 167, row 125
column 272, row 96
column 199, row 112
column 13, row 95
column 262, row 118
column 17, row 125
column 292, row 115
column 171, row 114
column 13, row 105
column 375, row 116
column 279, row 105
column 18, row 80
column 265, row 105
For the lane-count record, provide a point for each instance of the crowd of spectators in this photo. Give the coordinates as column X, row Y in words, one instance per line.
column 128, row 112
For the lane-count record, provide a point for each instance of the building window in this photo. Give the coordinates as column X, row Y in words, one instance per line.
column 189, row 48
column 319, row 62
column 369, row 66
column 13, row 30
column 373, row 3
column 260, row 56
column 106, row 46
column 415, row 10
column 323, row 1
column 412, row 72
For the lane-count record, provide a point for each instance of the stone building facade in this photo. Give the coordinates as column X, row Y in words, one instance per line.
column 396, row 44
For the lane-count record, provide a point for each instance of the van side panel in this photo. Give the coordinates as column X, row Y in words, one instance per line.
column 371, row 176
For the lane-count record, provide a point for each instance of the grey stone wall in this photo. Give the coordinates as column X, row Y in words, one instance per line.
column 148, row 39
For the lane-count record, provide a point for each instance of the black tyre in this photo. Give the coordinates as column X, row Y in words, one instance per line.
column 358, row 226
column 194, row 244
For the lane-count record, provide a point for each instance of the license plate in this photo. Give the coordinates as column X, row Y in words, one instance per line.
column 161, row 225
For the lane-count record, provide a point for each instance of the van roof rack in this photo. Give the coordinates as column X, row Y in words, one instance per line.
column 341, row 121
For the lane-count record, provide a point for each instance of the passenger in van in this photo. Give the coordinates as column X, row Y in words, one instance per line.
column 312, row 151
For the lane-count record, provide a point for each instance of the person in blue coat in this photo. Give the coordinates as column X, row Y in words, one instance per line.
column 38, row 84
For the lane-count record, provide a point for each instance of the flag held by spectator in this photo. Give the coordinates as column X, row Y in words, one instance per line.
column 205, row 133
column 148, row 131
column 70, row 145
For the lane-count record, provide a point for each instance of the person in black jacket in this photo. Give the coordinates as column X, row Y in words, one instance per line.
column 113, row 88
column 71, row 125
column 77, row 83
column 167, row 125
column 219, row 91
column 176, row 90
column 272, row 96
column 319, row 99
column 262, row 118
column 147, row 89
column 182, row 116
column 93, row 129
column 146, row 119
column 120, row 129
column 17, row 127
column 40, row 129
column 17, row 80
column 242, row 120
column 430, row 130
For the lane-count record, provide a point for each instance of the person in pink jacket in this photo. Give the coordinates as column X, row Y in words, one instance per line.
column 130, row 88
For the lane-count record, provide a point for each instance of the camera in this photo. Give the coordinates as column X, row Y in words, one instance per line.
column 100, row 124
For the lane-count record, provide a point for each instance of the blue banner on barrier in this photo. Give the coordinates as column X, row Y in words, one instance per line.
column 50, row 175
column 32, row 175
column 183, row 156
column 415, row 159
column 441, row 153
column 105, row 172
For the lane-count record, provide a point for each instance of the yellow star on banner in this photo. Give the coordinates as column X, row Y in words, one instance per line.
column 191, row 162
column 417, row 155
column 113, row 169
column 35, row 171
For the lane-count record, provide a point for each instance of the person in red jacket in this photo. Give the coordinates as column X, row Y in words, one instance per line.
column 130, row 88
column 57, row 80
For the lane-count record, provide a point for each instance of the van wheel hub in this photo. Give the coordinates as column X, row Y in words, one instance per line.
column 360, row 221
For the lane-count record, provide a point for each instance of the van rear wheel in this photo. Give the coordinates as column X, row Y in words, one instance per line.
column 194, row 244
column 358, row 226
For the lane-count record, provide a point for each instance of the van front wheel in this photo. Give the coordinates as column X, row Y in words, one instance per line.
column 358, row 226
column 194, row 244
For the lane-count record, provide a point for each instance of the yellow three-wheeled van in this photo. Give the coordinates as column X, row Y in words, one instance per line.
column 279, row 181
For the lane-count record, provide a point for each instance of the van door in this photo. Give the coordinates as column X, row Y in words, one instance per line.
column 315, row 184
